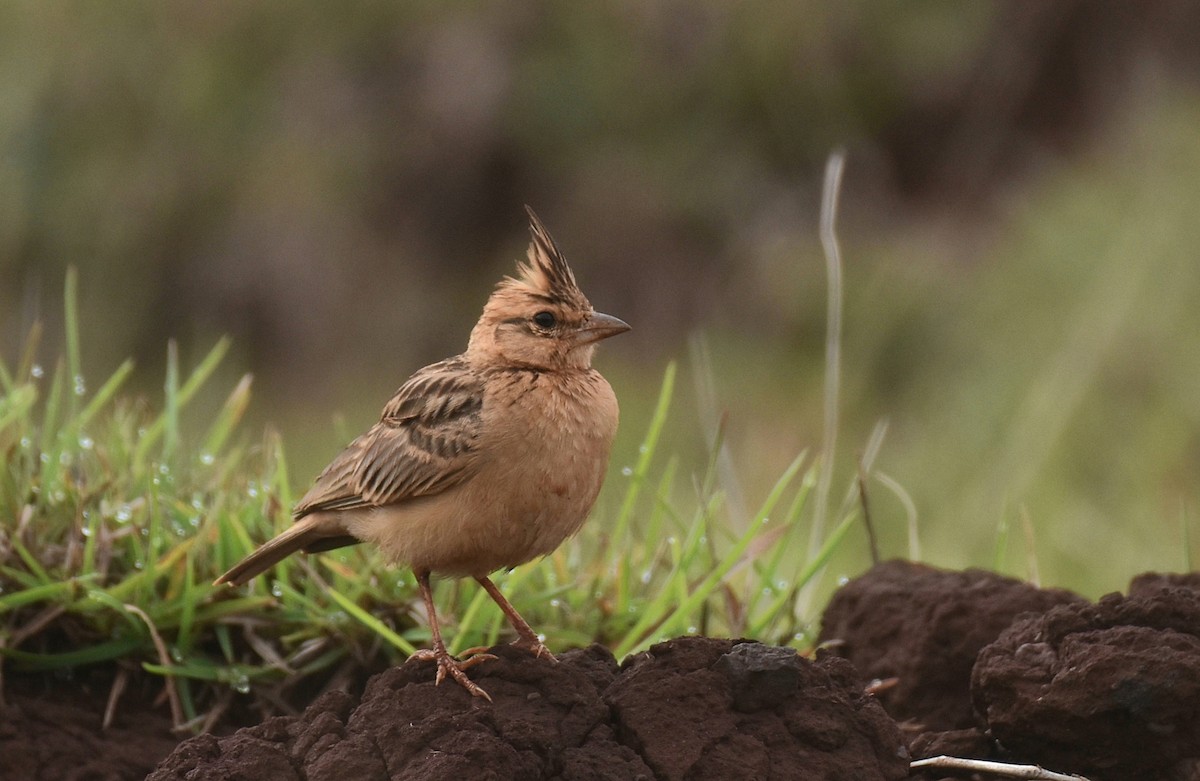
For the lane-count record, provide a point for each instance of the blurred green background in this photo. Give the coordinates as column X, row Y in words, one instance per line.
column 338, row 186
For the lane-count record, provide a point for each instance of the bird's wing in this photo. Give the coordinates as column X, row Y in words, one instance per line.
column 423, row 444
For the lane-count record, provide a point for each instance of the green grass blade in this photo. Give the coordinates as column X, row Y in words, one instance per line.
column 91, row 540
column 1001, row 550
column 373, row 623
column 106, row 392
column 35, row 567
column 641, row 469
column 817, row 562
column 171, row 415
column 189, row 598
column 104, row 652
column 16, row 404
column 1187, row 539
column 51, row 445
column 185, row 393
column 50, row 592
column 74, row 363
column 227, row 419
column 646, row 452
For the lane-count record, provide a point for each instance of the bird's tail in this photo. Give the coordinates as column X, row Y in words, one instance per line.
column 316, row 532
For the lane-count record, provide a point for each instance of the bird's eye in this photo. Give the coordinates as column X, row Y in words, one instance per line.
column 545, row 320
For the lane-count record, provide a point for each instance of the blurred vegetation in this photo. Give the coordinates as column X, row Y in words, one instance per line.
column 338, row 188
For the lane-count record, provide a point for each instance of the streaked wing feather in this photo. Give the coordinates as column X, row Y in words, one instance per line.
column 423, row 445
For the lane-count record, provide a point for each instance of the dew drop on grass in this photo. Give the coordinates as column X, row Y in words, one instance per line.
column 44, row 458
column 26, row 442
column 207, row 459
column 36, row 371
column 86, row 442
column 842, row 580
column 555, row 603
column 80, row 385
column 642, row 448
column 646, row 577
column 627, row 471
column 241, row 684
column 86, row 531
column 691, row 630
column 277, row 590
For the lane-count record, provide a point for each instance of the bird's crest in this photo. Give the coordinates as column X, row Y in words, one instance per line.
column 545, row 272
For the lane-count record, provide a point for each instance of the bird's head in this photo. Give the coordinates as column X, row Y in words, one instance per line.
column 540, row 318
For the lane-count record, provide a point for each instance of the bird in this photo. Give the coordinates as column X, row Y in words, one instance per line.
column 479, row 462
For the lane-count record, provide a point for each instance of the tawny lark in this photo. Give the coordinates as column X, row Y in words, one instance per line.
column 482, row 461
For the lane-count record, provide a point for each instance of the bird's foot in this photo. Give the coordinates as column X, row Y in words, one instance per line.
column 534, row 646
column 448, row 665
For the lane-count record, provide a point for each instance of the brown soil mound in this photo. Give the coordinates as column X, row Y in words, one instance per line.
column 1001, row 670
column 923, row 627
column 1111, row 689
column 692, row 708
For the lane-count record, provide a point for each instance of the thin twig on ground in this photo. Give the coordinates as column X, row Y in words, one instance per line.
column 1028, row 772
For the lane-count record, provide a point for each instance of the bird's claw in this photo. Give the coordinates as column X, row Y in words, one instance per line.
column 448, row 665
column 536, row 647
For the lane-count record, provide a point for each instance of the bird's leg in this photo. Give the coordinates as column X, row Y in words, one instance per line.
column 526, row 637
column 446, row 663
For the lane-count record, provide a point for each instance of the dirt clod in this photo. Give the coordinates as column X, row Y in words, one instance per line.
column 1111, row 688
column 924, row 627
column 677, row 711
column 702, row 710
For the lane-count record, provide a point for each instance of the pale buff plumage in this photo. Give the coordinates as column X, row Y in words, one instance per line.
column 479, row 462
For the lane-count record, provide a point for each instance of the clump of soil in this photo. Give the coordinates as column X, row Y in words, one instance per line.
column 993, row 668
column 1111, row 688
column 694, row 708
column 920, row 628
column 1150, row 582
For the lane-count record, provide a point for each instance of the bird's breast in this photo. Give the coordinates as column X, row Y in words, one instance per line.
column 543, row 450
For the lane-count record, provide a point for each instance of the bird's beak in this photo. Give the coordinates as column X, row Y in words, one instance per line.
column 600, row 326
